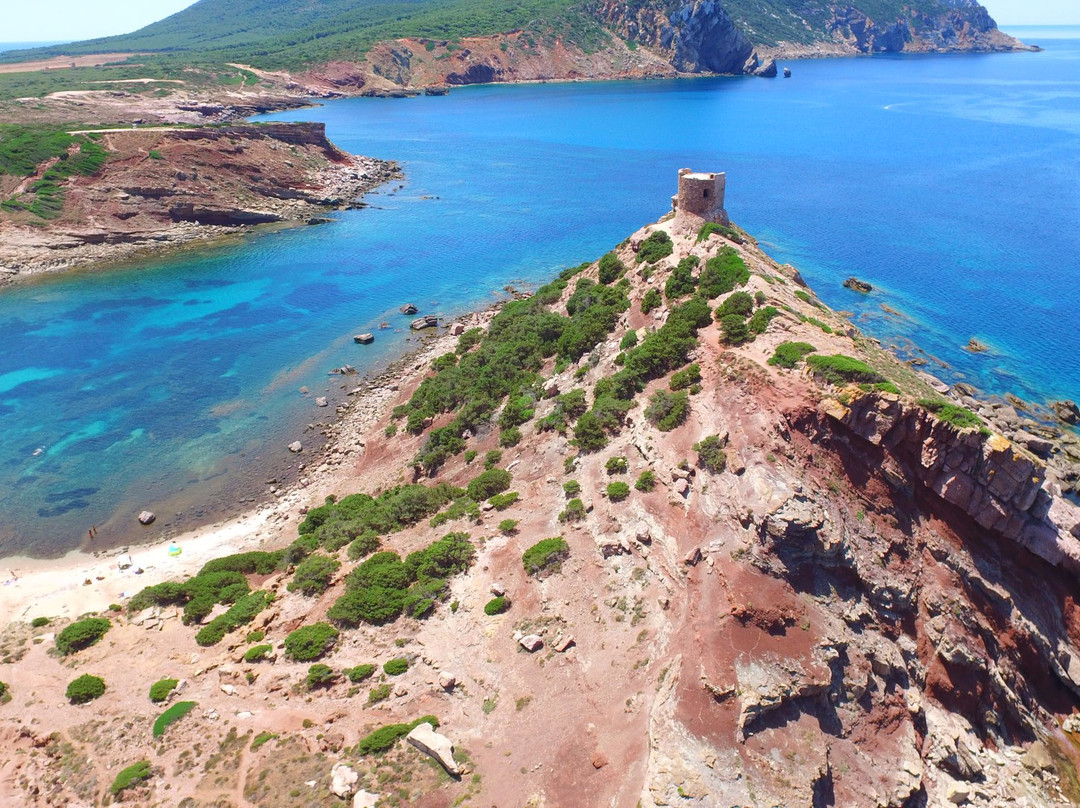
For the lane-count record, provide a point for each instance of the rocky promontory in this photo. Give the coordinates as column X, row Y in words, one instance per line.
column 160, row 186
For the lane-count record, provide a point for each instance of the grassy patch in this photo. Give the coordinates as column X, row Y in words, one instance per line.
column 132, row 776
column 171, row 716
column 546, row 556
column 838, row 369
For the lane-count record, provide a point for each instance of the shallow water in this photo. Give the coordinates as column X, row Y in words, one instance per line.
column 948, row 182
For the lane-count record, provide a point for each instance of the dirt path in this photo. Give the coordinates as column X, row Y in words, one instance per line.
column 65, row 62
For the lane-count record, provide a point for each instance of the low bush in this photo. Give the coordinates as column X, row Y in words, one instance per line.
column 510, row 437
column 711, row 456
column 81, row 634
column 740, row 303
column 508, row 526
column 733, row 330
column 258, row 653
column 713, row 228
column 255, row 562
column 951, row 413
column 656, row 246
column 501, row 502
column 838, row 369
column 687, row 377
column 759, row 322
column 320, row 675
column 723, row 274
column 573, row 512
column 85, row 689
column 239, row 614
column 651, row 300
column 546, row 556
column 680, row 282
column 4, row 691
column 667, row 410
column 616, row 465
column 133, row 775
column 379, row 693
column 384, row 738
column 646, row 481
column 617, row 492
column 789, row 354
column 39, row 622
column 313, row 575
column 571, row 488
column 496, row 605
column 171, row 716
column 488, row 483
column 363, row 545
column 629, row 340
column 359, row 673
column 395, row 667
column 308, row 643
column 159, row 691
column 261, row 739
column 610, row 268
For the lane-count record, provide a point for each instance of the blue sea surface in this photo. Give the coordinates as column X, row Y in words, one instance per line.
column 950, row 183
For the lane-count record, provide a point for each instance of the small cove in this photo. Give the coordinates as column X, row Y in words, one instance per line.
column 948, row 182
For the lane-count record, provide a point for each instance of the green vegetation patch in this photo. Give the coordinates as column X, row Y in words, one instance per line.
column 81, row 634
column 257, row 653
column 496, row 605
column 84, row 689
column 645, row 482
column 239, row 614
column 261, row 739
column 789, row 354
column 838, row 369
column 130, row 777
column 951, row 413
column 320, row 675
column 171, row 716
column 722, row 274
column 546, row 556
column 617, row 492
column 666, row 411
column 658, row 245
column 359, row 673
column 711, row 456
column 384, row 738
column 160, row 690
column 396, row 666
column 313, row 574
column 308, row 643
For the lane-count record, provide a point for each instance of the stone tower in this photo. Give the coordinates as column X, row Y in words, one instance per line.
column 700, row 199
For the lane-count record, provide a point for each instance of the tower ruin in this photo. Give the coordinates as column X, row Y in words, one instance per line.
column 700, row 199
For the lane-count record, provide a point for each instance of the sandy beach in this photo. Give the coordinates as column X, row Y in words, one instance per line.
column 79, row 582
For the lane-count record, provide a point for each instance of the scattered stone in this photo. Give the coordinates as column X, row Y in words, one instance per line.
column 457, row 329
column 296, row 446
column 228, row 690
column 147, row 517
column 428, row 741
column 364, row 339
column 1071, row 723
column 957, row 793
column 599, row 760
column 447, row 681
column 642, row 533
column 1066, row 411
column 1037, row 758
column 343, row 780
column 332, row 742
column 321, row 402
column 693, row 557
column 856, row 285
column 531, row 642
column 562, row 643
column 682, row 487
column 364, row 799
column 497, row 589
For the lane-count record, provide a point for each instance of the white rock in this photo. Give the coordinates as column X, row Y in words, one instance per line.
column 343, row 780
column 296, row 446
column 228, row 690
column 146, row 517
column 364, row 799
column 531, row 642
column 498, row 590
column 321, row 402
column 427, row 740
column 447, row 680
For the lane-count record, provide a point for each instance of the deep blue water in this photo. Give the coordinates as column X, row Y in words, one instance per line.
column 948, row 182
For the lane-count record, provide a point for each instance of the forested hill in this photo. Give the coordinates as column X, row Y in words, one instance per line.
column 288, row 34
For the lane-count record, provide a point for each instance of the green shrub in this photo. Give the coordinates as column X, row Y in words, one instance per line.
column 510, row 437
column 384, row 738
column 740, row 303
column 629, row 340
column 131, row 776
column 589, row 435
column 951, row 413
column 84, row 689
column 496, row 605
column 171, row 716
column 610, row 268
column 255, row 562
column 666, row 411
column 503, row 501
column 447, row 360
column 239, row 614
column 396, row 666
column 363, row 545
column 761, row 319
column 733, row 330
column 313, row 575
column 711, row 455
column 838, row 369
column 470, row 456
column 651, row 300
column 308, row 643
column 261, row 739
column 789, row 354
column 823, row 326
column 646, row 481
column 712, row 228
column 375, row 605
column 656, row 246
column 359, row 673
column 722, row 274
column 469, row 340
column 546, row 556
column 803, row 296
column 320, row 675
column 4, row 690
column 81, row 634
column 687, row 377
column 681, row 281
column 258, row 653
column 571, row 488
column 39, row 622
column 159, row 691
column 617, row 492
column 508, row 526
column 378, row 693
column 488, row 483
column 616, row 465
column 255, row 636
column 573, row 512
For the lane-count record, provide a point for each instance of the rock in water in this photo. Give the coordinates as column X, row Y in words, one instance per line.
column 428, row 741
column 1066, row 411
column 976, row 347
column 856, row 285
column 409, row 308
column 147, row 517
column 296, row 446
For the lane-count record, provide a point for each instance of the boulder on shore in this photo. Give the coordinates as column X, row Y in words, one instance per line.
column 1066, row 411
column 147, row 517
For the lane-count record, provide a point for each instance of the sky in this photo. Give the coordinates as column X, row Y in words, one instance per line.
column 55, row 20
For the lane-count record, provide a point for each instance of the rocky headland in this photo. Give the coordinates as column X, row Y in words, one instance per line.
column 164, row 186
column 789, row 572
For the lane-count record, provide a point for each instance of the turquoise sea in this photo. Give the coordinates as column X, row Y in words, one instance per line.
column 951, row 183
